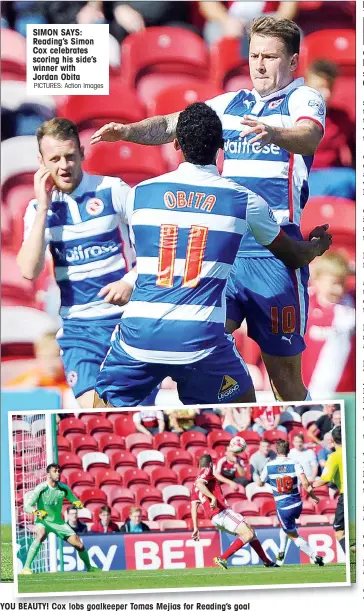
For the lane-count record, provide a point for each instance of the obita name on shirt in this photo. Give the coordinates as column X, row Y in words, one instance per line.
column 192, row 199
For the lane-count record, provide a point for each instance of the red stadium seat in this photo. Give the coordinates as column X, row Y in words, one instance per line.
column 122, row 458
column 198, row 451
column 162, row 475
column 163, row 50
column 99, row 424
column 216, row 439
column 308, row 508
column 160, row 440
column 80, row 478
column 274, row 435
column 63, row 444
column 314, row 520
column 173, row 524
column 192, row 438
column 68, row 459
column 92, row 495
column 183, row 510
column 268, row 508
column 336, row 45
column 203, row 523
column 13, row 285
column 95, row 461
column 109, row 476
column 110, row 441
column 160, row 511
column 84, row 443
column 188, row 474
column 251, row 437
column 226, row 61
column 344, row 85
column 177, row 97
column 138, row 440
column 116, row 494
column 178, row 457
column 148, row 493
column 123, row 424
column 208, row 420
column 175, row 493
column 246, row 508
column 13, row 55
column 121, row 106
column 131, row 162
column 338, row 212
column 135, row 476
column 326, row 506
column 149, row 459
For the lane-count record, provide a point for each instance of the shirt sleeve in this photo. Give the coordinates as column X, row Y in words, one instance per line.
column 29, row 218
column 298, row 468
column 220, row 103
column 264, row 475
column 31, row 499
column 260, row 220
column 120, row 191
column 307, row 103
column 329, row 470
column 69, row 494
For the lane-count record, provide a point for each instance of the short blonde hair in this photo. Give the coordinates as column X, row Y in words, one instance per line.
column 60, row 129
column 331, row 263
column 134, row 508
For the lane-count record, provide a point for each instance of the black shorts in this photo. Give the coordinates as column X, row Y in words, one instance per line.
column 339, row 521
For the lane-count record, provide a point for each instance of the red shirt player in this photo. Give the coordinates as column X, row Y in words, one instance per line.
column 207, row 492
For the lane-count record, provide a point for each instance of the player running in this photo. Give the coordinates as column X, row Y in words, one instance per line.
column 48, row 498
column 284, row 476
column 81, row 218
column 207, row 492
column 271, row 134
column 187, row 226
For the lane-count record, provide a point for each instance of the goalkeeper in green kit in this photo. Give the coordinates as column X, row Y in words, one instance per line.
column 45, row 502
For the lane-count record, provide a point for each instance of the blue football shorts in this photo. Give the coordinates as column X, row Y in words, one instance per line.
column 274, row 301
column 220, row 377
column 288, row 517
column 84, row 345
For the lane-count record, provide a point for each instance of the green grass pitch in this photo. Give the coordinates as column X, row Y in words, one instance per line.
column 186, row 578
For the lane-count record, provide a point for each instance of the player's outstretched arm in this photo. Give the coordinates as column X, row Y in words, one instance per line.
column 31, row 499
column 297, row 254
column 155, row 130
column 194, row 516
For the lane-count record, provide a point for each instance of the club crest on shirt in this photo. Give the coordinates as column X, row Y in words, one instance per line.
column 275, row 103
column 94, row 206
column 228, row 387
column 72, row 378
column 319, row 105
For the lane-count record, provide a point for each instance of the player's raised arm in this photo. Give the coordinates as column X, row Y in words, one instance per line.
column 154, row 130
column 32, row 252
column 267, row 232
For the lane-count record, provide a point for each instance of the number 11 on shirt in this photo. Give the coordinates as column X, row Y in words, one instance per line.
column 196, row 246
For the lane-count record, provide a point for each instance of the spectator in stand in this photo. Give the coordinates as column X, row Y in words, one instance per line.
column 128, row 17
column 230, row 470
column 236, row 419
column 302, row 409
column 182, row 420
column 330, row 418
column 326, row 450
column 79, row 527
column 328, row 14
column 150, row 422
column 328, row 363
column 260, row 458
column 48, row 368
column 332, row 172
column 306, row 458
column 229, row 19
column 266, row 418
column 134, row 523
column 104, row 524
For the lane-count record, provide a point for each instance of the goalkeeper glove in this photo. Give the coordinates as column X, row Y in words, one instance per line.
column 40, row 513
column 78, row 505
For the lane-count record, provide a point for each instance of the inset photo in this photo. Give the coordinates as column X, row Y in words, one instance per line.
column 233, row 497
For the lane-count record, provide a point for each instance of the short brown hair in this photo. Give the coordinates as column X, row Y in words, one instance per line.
column 105, row 508
column 205, row 460
column 300, row 436
column 282, row 446
column 61, row 129
column 324, row 68
column 285, row 29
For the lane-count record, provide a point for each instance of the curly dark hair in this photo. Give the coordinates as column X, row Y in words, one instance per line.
column 199, row 133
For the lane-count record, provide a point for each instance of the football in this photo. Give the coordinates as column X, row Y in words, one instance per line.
column 237, row 444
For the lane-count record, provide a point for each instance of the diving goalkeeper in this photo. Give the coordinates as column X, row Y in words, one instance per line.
column 45, row 503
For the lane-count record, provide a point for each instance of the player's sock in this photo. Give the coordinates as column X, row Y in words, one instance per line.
column 32, row 552
column 304, row 546
column 308, row 396
column 83, row 554
column 256, row 545
column 342, row 543
column 234, row 547
column 283, row 541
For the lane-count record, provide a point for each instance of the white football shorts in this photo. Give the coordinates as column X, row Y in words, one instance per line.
column 227, row 520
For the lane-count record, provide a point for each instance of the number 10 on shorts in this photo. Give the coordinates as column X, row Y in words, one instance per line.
column 287, row 318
